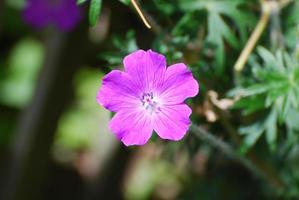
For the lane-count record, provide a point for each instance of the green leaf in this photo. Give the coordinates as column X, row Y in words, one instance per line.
column 126, row 2
column 122, row 46
column 24, row 63
column 250, row 105
column 252, row 133
column 94, row 11
column 266, row 55
column 274, row 87
column 219, row 30
column 271, row 128
column 292, row 119
column 81, row 1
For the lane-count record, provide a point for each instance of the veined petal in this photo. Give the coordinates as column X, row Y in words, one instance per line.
column 132, row 126
column 118, row 91
column 173, row 122
column 147, row 67
column 179, row 84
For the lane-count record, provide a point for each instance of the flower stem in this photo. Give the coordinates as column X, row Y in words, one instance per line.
column 140, row 13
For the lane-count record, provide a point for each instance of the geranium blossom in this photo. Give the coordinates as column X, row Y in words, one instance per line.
column 148, row 96
column 63, row 14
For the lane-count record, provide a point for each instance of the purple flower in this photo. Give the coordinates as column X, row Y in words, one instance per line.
column 148, row 96
column 63, row 14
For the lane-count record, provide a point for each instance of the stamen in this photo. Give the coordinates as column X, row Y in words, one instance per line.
column 149, row 102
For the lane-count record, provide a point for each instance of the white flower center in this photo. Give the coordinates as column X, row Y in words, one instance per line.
column 150, row 103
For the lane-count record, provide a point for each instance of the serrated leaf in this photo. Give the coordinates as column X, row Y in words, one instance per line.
column 250, row 105
column 218, row 29
column 266, row 55
column 275, row 85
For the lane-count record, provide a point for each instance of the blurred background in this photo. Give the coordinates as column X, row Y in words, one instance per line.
column 54, row 138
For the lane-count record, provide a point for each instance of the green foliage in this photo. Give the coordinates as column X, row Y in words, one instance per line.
column 218, row 30
column 25, row 60
column 79, row 126
column 275, row 89
column 94, row 11
column 126, row 2
column 122, row 46
column 81, row 1
column 292, row 23
column 208, row 36
column 16, row 3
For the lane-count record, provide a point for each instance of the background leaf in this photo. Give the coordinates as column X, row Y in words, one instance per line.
column 94, row 11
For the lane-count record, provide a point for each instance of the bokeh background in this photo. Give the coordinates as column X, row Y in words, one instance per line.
column 54, row 137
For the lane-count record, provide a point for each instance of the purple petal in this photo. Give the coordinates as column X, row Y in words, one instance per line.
column 64, row 14
column 173, row 122
column 179, row 84
column 37, row 13
column 132, row 126
column 67, row 15
column 147, row 67
column 118, row 91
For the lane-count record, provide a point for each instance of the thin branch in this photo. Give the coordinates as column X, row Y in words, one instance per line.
column 140, row 13
column 267, row 169
column 258, row 168
column 259, row 29
column 267, row 8
column 225, row 148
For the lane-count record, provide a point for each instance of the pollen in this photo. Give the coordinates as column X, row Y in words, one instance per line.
column 150, row 102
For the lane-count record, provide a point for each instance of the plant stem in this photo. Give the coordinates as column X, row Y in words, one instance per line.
column 260, row 169
column 225, row 148
column 259, row 29
column 140, row 13
column 267, row 8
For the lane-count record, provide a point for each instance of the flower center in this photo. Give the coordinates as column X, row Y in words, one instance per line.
column 149, row 102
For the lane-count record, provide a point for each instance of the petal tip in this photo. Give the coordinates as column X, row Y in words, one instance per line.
column 174, row 138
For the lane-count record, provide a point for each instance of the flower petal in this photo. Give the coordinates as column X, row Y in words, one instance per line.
column 37, row 13
column 173, row 122
column 67, row 20
column 147, row 67
column 118, row 91
column 179, row 84
column 132, row 126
